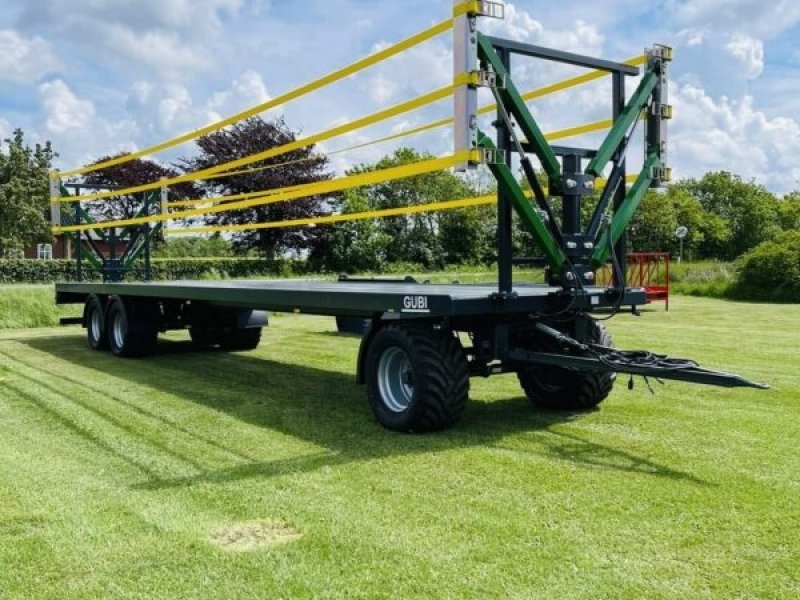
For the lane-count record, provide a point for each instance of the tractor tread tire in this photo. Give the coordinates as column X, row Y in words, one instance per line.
column 95, row 304
column 141, row 336
column 241, row 340
column 441, row 376
column 578, row 391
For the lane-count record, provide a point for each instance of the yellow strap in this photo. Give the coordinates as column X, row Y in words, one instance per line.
column 318, row 188
column 575, row 81
column 231, row 198
column 579, row 130
column 377, row 117
column 530, row 95
column 299, row 92
column 360, row 216
column 552, row 136
column 275, row 165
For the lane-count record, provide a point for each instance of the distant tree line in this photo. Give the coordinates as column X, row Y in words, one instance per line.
column 725, row 215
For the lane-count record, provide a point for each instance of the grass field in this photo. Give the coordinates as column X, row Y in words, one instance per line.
column 263, row 475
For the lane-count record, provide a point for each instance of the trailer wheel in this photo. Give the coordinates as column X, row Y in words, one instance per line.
column 555, row 388
column 417, row 378
column 204, row 336
column 131, row 328
column 240, row 340
column 95, row 319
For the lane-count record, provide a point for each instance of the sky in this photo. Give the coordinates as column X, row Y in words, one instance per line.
column 99, row 76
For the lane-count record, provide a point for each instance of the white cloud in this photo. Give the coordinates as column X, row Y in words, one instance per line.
column 161, row 52
column 63, row 109
column 725, row 134
column 24, row 60
column 583, row 38
column 692, row 37
column 750, row 52
column 5, row 129
column 138, row 15
column 247, row 90
column 167, row 39
column 518, row 25
column 755, row 17
column 417, row 71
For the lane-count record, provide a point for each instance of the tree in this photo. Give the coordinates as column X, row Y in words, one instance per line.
column 298, row 167
column 429, row 238
column 653, row 225
column 789, row 212
column 129, row 174
column 353, row 246
column 24, row 193
column 749, row 210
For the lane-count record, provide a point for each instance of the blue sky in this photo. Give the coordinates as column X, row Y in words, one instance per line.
column 97, row 76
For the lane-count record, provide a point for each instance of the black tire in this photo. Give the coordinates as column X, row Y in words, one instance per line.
column 131, row 328
column 554, row 388
column 94, row 315
column 430, row 386
column 241, row 340
column 204, row 336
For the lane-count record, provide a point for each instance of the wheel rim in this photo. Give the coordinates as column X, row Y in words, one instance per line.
column 395, row 379
column 96, row 324
column 551, row 379
column 119, row 329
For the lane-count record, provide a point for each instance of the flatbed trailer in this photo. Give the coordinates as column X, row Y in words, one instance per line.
column 423, row 342
column 380, row 299
column 412, row 358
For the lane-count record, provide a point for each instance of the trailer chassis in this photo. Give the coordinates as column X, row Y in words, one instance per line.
column 424, row 342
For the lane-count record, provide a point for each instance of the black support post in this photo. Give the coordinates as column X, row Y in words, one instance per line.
column 78, row 242
column 621, row 247
column 571, row 207
column 504, row 212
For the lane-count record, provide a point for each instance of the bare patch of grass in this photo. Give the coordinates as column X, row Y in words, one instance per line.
column 246, row 537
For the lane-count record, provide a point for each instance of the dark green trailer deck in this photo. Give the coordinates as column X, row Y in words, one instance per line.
column 358, row 298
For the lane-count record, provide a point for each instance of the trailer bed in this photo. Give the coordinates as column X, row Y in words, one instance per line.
column 360, row 298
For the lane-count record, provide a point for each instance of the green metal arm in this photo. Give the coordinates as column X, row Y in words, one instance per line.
column 625, row 212
column 624, row 122
column 513, row 101
column 538, row 228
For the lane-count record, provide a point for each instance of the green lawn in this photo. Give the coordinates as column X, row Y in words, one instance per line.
column 263, row 475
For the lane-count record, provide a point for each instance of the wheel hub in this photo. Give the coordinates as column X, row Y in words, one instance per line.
column 119, row 330
column 395, row 379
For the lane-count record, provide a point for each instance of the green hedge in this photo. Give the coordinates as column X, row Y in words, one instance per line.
column 770, row 272
column 49, row 271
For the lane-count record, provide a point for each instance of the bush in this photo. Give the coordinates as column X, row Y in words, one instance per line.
column 50, row 271
column 705, row 278
column 771, row 271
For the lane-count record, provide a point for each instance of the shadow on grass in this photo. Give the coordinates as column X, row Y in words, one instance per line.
column 322, row 407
